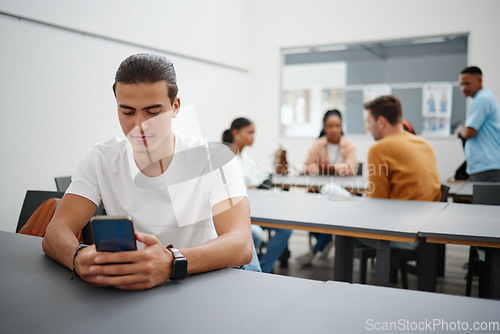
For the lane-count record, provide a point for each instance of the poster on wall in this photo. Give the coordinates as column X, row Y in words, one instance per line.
column 436, row 108
column 370, row 93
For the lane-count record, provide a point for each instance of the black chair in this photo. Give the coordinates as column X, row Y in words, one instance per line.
column 32, row 200
column 400, row 258
column 488, row 194
column 360, row 169
column 35, row 198
column 62, row 183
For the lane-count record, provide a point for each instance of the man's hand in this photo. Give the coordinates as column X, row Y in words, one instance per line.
column 134, row 270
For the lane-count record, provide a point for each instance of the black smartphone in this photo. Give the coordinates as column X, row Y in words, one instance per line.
column 113, row 234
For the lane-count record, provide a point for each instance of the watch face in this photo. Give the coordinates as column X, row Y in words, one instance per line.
column 179, row 269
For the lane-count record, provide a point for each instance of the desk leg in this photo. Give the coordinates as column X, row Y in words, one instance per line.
column 344, row 254
column 383, row 266
column 427, row 266
column 494, row 270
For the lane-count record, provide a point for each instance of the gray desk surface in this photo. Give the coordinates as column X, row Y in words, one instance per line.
column 38, row 297
column 353, row 308
column 465, row 223
column 454, row 187
column 349, row 182
column 467, row 188
column 391, row 218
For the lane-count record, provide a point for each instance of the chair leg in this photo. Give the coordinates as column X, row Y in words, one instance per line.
column 404, row 273
column 470, row 270
column 284, row 257
column 441, row 260
column 362, row 268
column 393, row 275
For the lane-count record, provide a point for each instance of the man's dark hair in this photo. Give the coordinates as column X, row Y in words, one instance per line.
column 472, row 70
column 388, row 106
column 147, row 68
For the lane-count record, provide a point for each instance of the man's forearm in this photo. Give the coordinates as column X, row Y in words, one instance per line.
column 467, row 132
column 229, row 250
column 60, row 244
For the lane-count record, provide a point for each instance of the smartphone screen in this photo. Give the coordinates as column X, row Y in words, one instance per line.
column 113, row 234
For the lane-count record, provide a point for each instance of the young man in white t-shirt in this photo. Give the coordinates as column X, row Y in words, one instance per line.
column 178, row 190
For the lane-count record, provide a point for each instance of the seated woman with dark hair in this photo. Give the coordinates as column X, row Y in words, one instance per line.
column 241, row 134
column 331, row 154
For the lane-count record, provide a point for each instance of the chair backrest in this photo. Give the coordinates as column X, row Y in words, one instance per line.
column 360, row 169
column 445, row 190
column 486, row 194
column 62, row 183
column 32, row 200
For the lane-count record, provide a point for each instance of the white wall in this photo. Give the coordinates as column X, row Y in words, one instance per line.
column 55, row 93
column 295, row 23
column 55, row 85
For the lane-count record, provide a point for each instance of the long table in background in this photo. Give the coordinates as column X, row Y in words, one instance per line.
column 462, row 191
column 38, row 296
column 379, row 219
column 354, row 184
column 471, row 225
column 454, row 187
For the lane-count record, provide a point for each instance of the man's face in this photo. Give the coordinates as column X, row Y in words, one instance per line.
column 470, row 83
column 373, row 126
column 145, row 114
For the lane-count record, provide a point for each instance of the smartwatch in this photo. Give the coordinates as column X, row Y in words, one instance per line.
column 179, row 266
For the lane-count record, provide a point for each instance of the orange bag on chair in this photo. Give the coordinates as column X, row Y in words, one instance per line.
column 40, row 219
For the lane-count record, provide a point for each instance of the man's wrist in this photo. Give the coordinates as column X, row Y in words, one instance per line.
column 77, row 250
column 179, row 263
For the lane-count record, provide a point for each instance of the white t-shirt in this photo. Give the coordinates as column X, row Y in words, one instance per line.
column 253, row 177
column 334, row 153
column 175, row 206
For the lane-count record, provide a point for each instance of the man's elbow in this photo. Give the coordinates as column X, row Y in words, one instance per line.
column 246, row 252
column 44, row 245
column 469, row 133
column 46, row 241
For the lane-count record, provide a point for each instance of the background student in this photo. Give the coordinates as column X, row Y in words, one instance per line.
column 330, row 154
column 401, row 165
column 481, row 129
column 241, row 134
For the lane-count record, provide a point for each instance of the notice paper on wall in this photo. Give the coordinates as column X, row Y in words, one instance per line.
column 436, row 108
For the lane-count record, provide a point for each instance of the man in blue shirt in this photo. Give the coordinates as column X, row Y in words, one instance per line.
column 482, row 128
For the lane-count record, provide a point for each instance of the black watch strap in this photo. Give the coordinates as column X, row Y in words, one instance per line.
column 179, row 265
column 78, row 248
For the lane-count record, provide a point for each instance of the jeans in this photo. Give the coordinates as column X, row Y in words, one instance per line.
column 323, row 240
column 257, row 235
column 274, row 248
column 254, row 264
